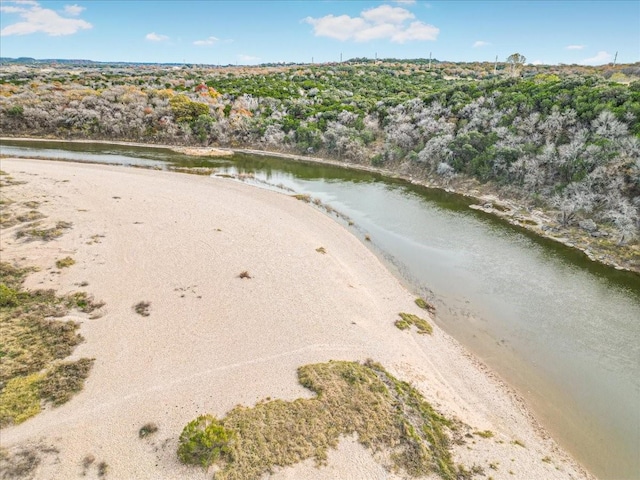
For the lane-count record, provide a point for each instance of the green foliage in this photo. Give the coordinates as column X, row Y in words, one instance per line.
column 365, row 399
column 186, row 110
column 408, row 319
column 19, row 399
column 8, row 296
column 203, row 441
column 16, row 111
column 422, row 303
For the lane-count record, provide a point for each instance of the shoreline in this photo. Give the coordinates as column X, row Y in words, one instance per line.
column 537, row 222
column 452, row 378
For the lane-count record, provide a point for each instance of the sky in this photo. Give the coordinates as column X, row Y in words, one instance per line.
column 249, row 32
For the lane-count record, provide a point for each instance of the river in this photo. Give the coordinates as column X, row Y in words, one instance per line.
column 562, row 330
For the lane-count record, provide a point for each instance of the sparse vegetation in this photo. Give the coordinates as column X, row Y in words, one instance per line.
column 409, row 319
column 82, row 301
column 484, row 433
column 34, row 341
column 321, row 250
column 33, row 232
column 518, row 443
column 385, row 413
column 303, row 197
column 65, row 262
column 87, row 461
column 147, row 429
column 244, row 274
column 63, row 380
column 20, row 464
column 142, row 308
column 422, row 303
column 103, row 468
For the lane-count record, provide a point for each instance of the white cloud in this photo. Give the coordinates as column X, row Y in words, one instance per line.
column 248, row 58
column 416, row 31
column 342, row 27
column 11, row 9
column 380, row 22
column 73, row 10
column 207, row 41
column 405, row 2
column 574, row 47
column 37, row 19
column 537, row 62
column 387, row 14
column 480, row 43
column 156, row 37
column 600, row 58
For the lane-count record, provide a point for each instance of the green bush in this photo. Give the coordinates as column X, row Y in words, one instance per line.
column 8, row 296
column 203, row 441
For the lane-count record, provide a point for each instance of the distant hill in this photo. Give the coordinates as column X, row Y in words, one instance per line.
column 29, row 60
column 72, row 61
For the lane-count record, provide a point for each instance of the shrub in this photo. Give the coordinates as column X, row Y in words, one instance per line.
column 203, row 441
column 64, row 380
column 142, row 308
column 19, row 400
column 65, row 262
column 8, row 296
column 422, row 303
column 147, row 429
column 408, row 319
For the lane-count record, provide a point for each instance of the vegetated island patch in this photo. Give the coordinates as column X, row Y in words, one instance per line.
column 34, row 343
column 388, row 415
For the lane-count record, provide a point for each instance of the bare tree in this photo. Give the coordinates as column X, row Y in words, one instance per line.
column 515, row 62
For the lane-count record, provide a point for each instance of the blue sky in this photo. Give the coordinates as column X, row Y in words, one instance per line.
column 252, row 32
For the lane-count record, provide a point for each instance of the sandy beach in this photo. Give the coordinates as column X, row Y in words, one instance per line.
column 213, row 340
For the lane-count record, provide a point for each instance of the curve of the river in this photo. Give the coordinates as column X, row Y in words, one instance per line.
column 565, row 332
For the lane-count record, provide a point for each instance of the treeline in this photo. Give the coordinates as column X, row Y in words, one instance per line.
column 568, row 141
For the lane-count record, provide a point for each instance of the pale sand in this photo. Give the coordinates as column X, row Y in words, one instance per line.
column 213, row 341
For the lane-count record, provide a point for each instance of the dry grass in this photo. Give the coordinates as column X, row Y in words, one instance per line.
column 244, row 274
column 20, row 464
column 64, row 380
column 142, row 308
column 409, row 319
column 65, row 262
column 387, row 415
column 33, row 340
column 303, row 197
column 34, row 232
column 321, row 250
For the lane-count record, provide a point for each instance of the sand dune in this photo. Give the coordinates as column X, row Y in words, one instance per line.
column 213, row 340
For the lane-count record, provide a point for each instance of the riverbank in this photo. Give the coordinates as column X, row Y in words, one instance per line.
column 597, row 243
column 213, row 340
